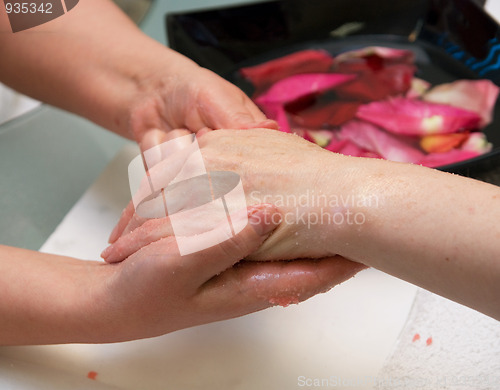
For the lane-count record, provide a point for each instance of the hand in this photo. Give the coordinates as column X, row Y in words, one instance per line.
column 275, row 168
column 183, row 95
column 155, row 290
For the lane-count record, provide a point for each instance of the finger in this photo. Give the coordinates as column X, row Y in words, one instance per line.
column 152, row 138
column 156, row 137
column 266, row 124
column 151, row 231
column 135, row 222
column 199, row 267
column 124, row 220
column 261, row 120
column 257, row 113
column 231, row 110
column 238, row 120
column 256, row 286
column 200, row 133
column 262, row 220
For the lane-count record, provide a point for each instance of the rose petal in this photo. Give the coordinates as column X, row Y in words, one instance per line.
column 306, row 61
column 282, row 120
column 418, row 88
column 336, row 144
column 476, row 145
column 381, row 71
column 320, row 137
column 374, row 139
column 441, row 143
column 453, row 156
column 376, row 55
column 415, row 117
column 351, row 149
column 301, row 85
column 331, row 115
column 478, row 96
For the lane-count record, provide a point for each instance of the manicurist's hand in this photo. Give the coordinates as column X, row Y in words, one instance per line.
column 154, row 291
column 95, row 62
column 168, row 291
column 181, row 94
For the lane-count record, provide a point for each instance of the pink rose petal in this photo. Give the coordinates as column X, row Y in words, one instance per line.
column 433, row 160
column 478, row 96
column 327, row 116
column 418, row 88
column 306, row 61
column 415, row 117
column 374, row 139
column 381, row 71
column 298, row 86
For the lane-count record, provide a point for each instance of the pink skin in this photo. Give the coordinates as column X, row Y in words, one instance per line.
column 258, row 284
column 478, row 96
column 195, row 98
column 417, row 118
column 296, row 285
column 307, row 61
column 213, row 284
column 374, row 139
column 243, row 152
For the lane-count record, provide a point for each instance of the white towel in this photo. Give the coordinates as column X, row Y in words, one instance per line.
column 444, row 345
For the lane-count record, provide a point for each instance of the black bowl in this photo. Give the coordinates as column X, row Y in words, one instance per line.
column 452, row 39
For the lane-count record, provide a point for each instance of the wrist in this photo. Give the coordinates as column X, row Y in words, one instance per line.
column 320, row 214
column 342, row 203
column 60, row 305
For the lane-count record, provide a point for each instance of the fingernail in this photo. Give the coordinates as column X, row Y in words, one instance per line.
column 263, row 218
column 200, row 133
column 106, row 252
column 269, row 124
column 266, row 124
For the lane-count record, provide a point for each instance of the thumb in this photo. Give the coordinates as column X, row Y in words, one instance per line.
column 262, row 220
column 265, row 124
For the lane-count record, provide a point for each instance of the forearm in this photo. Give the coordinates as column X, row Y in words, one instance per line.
column 436, row 230
column 49, row 299
column 93, row 61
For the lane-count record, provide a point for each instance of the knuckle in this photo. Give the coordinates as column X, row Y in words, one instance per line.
column 235, row 247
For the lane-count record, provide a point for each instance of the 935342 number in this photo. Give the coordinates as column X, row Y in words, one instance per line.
column 28, row 8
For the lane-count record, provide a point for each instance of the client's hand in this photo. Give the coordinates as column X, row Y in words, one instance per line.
column 276, row 168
